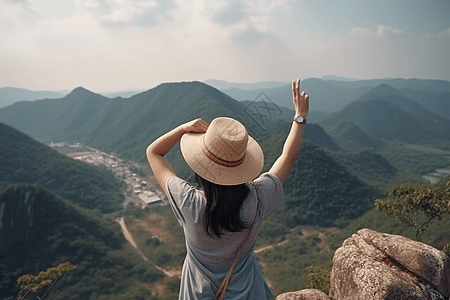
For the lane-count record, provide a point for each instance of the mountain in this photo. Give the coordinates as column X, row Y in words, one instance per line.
column 222, row 84
column 39, row 229
column 124, row 94
column 316, row 134
column 426, row 118
column 350, row 131
column 26, row 160
column 318, row 190
column 124, row 126
column 428, row 85
column 325, row 95
column 437, row 103
column 127, row 126
column 10, row 95
column 337, row 78
column 52, row 115
column 384, row 113
column 313, row 132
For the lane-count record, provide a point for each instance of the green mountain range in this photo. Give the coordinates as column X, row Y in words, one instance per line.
column 437, row 103
column 349, row 131
column 41, row 223
column 385, row 114
column 127, row 126
column 318, row 190
column 26, row 160
column 332, row 94
column 40, row 229
column 325, row 96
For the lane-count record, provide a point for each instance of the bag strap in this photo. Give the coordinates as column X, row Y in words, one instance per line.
column 220, row 293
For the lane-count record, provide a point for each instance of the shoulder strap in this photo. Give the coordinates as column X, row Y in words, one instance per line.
column 220, row 293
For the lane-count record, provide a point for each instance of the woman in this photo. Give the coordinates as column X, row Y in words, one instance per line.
column 226, row 212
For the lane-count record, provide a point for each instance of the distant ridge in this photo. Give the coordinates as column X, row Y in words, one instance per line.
column 383, row 90
column 438, row 103
column 352, row 132
column 337, row 78
column 10, row 95
column 222, row 84
column 386, row 114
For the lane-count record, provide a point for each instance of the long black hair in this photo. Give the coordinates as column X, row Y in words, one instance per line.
column 223, row 205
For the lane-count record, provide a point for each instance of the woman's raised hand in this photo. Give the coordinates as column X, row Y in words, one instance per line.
column 300, row 100
column 197, row 125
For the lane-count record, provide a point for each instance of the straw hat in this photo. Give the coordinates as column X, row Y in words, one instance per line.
column 225, row 154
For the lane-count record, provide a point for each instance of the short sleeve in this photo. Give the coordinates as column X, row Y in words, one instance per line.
column 271, row 193
column 185, row 200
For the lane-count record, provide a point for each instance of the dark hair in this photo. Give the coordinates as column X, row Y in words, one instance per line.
column 222, row 207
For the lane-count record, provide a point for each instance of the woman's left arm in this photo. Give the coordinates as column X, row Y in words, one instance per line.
column 160, row 147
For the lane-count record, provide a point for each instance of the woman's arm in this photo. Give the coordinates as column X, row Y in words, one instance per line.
column 160, row 147
column 283, row 165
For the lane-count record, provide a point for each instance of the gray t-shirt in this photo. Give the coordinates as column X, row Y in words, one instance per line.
column 208, row 259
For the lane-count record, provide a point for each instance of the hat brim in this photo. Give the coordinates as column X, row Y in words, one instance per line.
column 248, row 170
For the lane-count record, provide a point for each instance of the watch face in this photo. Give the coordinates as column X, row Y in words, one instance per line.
column 299, row 119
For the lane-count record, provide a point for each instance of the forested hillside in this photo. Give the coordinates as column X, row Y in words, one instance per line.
column 367, row 146
column 318, row 190
column 25, row 160
column 40, row 229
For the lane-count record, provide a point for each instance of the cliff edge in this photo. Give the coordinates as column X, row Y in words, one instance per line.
column 373, row 265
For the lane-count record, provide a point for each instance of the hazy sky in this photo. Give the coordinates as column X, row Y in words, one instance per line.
column 115, row 45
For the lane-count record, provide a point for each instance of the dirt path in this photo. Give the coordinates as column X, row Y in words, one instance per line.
column 130, row 239
column 306, row 231
column 270, row 247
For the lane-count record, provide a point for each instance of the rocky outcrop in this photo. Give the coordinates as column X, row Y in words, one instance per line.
column 380, row 266
column 18, row 214
column 309, row 294
column 373, row 265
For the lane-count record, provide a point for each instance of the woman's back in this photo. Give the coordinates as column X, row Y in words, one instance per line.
column 224, row 154
column 210, row 257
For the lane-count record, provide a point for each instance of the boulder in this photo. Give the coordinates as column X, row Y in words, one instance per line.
column 308, row 294
column 373, row 265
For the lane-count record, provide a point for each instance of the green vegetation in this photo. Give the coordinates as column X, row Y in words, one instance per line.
column 318, row 190
column 159, row 235
column 48, row 278
column 28, row 161
column 416, row 206
column 447, row 249
column 286, row 265
column 394, row 164
column 328, row 187
column 46, row 230
column 319, row 278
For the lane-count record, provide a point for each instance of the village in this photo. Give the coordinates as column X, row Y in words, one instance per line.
column 137, row 191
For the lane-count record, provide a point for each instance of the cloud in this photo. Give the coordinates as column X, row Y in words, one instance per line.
column 440, row 35
column 126, row 12
column 380, row 31
column 232, row 12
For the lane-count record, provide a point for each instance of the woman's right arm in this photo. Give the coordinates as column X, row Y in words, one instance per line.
column 283, row 165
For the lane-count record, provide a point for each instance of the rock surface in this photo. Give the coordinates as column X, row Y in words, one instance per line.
column 373, row 265
column 309, row 294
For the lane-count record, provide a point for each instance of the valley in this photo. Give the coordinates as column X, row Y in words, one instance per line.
column 368, row 140
column 138, row 190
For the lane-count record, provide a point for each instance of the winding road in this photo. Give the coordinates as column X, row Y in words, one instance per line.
column 130, row 239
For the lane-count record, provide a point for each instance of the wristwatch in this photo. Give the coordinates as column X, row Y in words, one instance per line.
column 299, row 119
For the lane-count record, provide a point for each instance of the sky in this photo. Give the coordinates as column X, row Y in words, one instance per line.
column 120, row 45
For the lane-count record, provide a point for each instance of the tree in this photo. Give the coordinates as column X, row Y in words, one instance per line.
column 319, row 278
column 408, row 204
column 34, row 283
